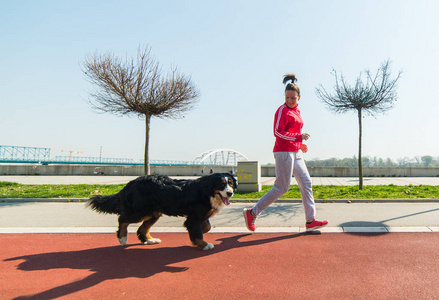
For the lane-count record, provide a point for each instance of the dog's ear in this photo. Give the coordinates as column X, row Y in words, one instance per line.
column 209, row 183
column 235, row 183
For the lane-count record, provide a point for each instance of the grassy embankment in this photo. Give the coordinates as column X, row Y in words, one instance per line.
column 16, row 190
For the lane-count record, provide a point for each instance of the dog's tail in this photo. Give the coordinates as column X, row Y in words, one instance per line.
column 105, row 204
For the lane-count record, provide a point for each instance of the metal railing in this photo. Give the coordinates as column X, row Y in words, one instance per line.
column 35, row 155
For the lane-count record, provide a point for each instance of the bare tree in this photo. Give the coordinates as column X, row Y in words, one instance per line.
column 377, row 95
column 138, row 87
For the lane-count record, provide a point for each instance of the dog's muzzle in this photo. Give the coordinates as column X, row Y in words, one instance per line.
column 226, row 198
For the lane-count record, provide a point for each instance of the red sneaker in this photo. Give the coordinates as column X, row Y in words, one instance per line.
column 249, row 219
column 316, row 225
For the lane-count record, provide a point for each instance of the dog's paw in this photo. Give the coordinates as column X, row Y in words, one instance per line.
column 208, row 247
column 123, row 240
column 152, row 241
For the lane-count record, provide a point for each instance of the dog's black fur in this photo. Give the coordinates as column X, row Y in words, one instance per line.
column 148, row 197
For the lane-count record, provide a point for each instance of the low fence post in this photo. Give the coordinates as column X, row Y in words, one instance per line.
column 249, row 176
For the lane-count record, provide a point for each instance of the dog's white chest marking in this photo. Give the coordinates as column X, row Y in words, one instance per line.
column 216, row 202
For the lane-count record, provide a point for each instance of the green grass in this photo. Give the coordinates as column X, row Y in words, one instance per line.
column 352, row 192
column 16, row 190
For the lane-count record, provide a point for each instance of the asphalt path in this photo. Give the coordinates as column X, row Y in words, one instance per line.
column 44, row 217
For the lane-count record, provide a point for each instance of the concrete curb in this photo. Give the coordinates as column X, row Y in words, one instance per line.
column 353, row 230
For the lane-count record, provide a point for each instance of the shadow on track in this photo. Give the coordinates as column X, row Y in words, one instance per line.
column 380, row 224
column 118, row 262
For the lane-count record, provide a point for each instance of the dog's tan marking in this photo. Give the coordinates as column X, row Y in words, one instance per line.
column 205, row 227
column 143, row 233
column 216, row 201
column 147, row 218
column 211, row 212
column 201, row 244
column 123, row 230
column 122, row 233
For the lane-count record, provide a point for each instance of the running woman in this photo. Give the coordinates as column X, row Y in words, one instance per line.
column 288, row 132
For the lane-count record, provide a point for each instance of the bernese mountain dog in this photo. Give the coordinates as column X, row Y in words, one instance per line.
column 146, row 198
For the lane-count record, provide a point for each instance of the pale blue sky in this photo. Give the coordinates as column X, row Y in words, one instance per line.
column 236, row 53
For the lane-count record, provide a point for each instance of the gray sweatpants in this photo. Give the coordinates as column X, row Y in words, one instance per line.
column 287, row 164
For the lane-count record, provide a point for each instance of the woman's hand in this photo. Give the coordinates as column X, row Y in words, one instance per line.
column 304, row 148
column 305, row 136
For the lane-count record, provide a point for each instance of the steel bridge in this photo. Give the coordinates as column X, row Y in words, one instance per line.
column 223, row 157
column 16, row 154
column 35, row 155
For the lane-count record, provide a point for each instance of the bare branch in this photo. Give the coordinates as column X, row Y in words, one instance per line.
column 377, row 95
column 137, row 86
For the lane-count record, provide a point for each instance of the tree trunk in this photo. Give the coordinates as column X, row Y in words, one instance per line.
column 147, row 168
column 360, row 161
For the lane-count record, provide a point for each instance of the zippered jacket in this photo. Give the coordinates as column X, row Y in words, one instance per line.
column 287, row 129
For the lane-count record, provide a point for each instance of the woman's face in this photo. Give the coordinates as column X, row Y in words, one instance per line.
column 291, row 98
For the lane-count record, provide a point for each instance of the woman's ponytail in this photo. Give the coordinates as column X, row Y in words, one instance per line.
column 291, row 77
column 291, row 86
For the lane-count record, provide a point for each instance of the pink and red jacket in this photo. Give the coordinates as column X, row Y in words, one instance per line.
column 287, row 129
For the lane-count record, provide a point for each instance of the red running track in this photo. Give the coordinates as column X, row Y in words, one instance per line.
column 241, row 266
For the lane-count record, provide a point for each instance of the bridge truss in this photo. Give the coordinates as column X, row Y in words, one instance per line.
column 220, row 157
column 18, row 154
